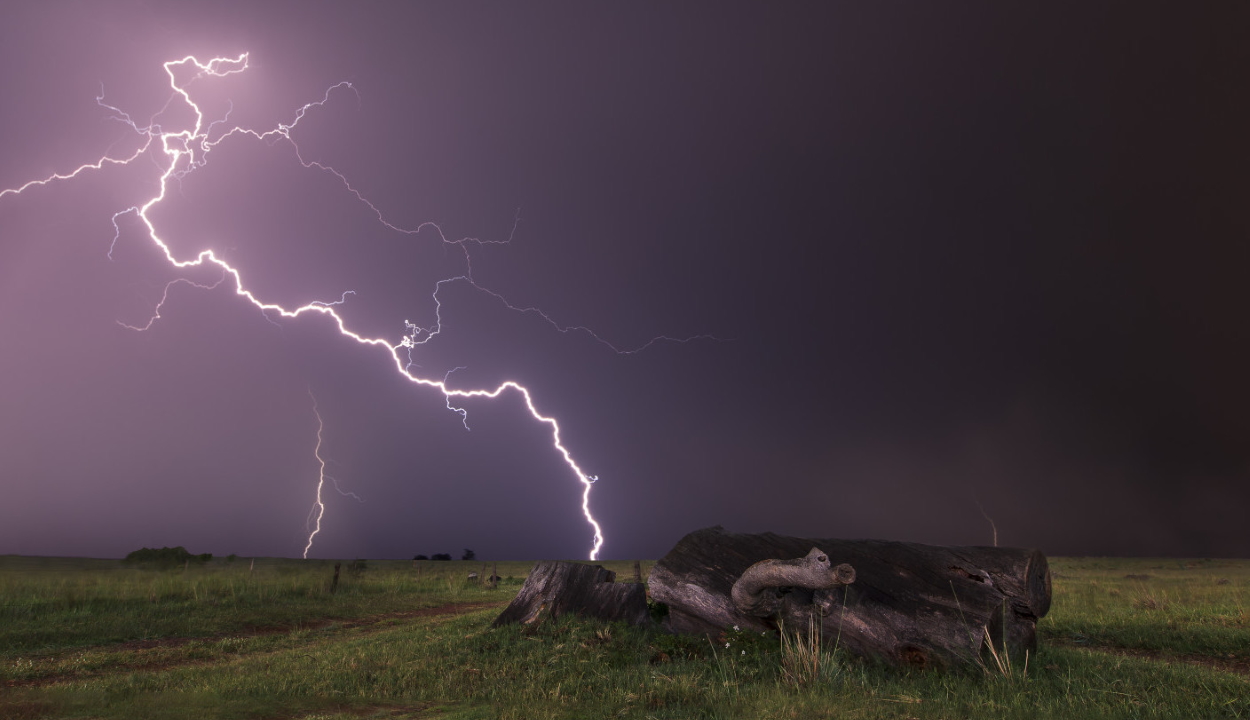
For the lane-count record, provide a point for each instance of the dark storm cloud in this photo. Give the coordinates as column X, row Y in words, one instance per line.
column 961, row 257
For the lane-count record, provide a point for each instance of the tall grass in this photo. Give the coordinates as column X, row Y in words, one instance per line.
column 804, row 661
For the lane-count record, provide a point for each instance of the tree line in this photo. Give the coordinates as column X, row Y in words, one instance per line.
column 165, row 557
column 468, row 555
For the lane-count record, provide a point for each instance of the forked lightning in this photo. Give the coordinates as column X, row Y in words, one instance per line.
column 177, row 153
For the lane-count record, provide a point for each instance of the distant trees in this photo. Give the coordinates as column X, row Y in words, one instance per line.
column 468, row 555
column 165, row 557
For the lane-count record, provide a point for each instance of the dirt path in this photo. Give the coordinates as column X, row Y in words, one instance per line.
column 1237, row 665
column 151, row 655
column 1240, row 666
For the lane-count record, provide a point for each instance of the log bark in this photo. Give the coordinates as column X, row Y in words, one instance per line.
column 908, row 604
column 555, row 588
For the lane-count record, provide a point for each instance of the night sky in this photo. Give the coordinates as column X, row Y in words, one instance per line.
column 958, row 261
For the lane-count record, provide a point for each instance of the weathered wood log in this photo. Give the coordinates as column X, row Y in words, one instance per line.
column 555, row 588
column 909, row 604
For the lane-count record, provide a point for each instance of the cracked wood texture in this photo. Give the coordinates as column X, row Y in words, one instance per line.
column 555, row 588
column 910, row 604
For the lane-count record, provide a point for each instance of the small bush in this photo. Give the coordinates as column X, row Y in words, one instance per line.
column 440, row 556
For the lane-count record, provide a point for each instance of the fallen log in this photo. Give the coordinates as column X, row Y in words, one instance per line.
column 904, row 603
column 555, row 588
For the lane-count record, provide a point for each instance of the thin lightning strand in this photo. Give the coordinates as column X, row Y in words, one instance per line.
column 345, row 493
column 186, row 150
column 320, row 507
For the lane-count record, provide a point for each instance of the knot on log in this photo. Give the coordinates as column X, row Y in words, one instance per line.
column 760, row 589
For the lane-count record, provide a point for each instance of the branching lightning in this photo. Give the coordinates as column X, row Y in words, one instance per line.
column 177, row 153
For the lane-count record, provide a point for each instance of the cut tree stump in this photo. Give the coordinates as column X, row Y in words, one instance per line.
column 904, row 603
column 555, row 588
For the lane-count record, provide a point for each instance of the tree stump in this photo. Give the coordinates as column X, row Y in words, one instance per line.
column 906, row 603
column 555, row 588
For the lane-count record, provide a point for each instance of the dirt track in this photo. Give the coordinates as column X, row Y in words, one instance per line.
column 152, row 647
column 1239, row 665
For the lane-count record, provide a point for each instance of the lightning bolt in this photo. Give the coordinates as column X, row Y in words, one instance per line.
column 179, row 152
column 319, row 507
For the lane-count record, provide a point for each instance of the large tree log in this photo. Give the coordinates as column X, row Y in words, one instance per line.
column 555, row 588
column 907, row 604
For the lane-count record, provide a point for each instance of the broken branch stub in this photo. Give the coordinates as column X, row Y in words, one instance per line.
column 555, row 588
column 761, row 588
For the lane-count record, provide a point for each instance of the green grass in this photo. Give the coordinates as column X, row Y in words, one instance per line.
column 52, row 604
column 277, row 644
column 1199, row 607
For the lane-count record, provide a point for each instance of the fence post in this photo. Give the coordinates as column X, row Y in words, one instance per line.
column 334, row 585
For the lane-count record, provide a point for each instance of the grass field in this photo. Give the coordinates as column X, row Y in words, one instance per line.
column 1131, row 638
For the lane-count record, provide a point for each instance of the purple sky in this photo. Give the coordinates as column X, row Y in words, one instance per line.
column 954, row 254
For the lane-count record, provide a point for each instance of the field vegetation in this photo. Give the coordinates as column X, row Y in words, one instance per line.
column 397, row 639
